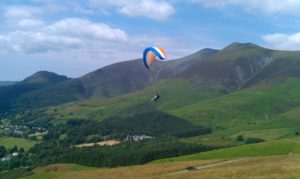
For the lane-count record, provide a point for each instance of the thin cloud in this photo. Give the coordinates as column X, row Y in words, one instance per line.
column 283, row 41
column 23, row 16
column 64, row 34
column 17, row 12
column 29, row 23
column 82, row 28
column 96, row 39
column 153, row 9
column 268, row 7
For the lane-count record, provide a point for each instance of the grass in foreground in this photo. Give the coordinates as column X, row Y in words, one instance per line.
column 262, row 167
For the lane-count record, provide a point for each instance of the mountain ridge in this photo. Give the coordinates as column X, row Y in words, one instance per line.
column 236, row 66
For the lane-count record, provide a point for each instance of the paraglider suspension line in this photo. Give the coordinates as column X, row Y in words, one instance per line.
column 155, row 79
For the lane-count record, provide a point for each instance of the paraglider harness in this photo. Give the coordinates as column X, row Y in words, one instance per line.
column 155, row 98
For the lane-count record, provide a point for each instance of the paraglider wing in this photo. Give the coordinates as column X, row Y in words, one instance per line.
column 151, row 54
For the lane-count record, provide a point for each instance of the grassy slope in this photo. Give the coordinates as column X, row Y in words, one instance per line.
column 278, row 147
column 224, row 137
column 247, row 161
column 139, row 171
column 174, row 94
column 10, row 142
column 255, row 112
column 265, row 167
column 245, row 106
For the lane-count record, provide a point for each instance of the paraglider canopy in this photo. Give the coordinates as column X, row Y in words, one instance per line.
column 151, row 54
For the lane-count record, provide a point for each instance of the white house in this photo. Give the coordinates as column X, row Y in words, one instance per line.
column 15, row 154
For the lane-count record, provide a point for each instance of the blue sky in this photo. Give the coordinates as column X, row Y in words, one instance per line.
column 76, row 37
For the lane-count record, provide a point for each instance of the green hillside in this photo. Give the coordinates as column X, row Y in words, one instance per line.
column 174, row 94
column 277, row 147
column 17, row 98
column 262, row 110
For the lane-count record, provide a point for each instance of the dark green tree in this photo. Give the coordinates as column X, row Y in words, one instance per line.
column 254, row 140
column 14, row 149
column 3, row 151
column 240, row 138
column 21, row 150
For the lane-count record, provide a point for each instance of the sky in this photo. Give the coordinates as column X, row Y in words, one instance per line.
column 75, row 37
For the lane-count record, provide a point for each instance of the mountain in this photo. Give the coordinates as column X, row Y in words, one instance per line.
column 132, row 76
column 240, row 81
column 235, row 67
column 10, row 95
column 112, row 80
column 241, row 89
column 44, row 77
column 231, row 67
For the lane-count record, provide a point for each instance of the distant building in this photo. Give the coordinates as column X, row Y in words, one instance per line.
column 18, row 133
column 137, row 137
column 7, row 158
column 13, row 133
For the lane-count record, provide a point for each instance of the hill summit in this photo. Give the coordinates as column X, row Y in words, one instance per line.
column 45, row 77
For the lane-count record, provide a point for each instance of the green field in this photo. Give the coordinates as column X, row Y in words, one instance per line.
column 267, row 134
column 278, row 147
column 10, row 142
